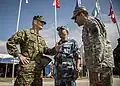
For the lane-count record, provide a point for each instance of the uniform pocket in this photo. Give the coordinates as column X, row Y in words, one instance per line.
column 29, row 67
column 31, row 42
column 41, row 45
column 41, row 48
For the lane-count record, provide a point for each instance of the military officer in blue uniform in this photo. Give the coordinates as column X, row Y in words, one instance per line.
column 67, row 59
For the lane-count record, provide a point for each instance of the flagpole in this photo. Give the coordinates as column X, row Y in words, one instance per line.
column 26, row 1
column 19, row 11
column 55, row 22
column 115, row 18
column 118, row 28
column 20, row 3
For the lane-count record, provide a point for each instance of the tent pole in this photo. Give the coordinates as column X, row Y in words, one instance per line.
column 6, row 70
column 13, row 70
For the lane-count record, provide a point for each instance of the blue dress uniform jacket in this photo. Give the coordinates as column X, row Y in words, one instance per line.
column 65, row 63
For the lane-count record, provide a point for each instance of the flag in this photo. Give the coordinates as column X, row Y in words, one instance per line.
column 111, row 13
column 78, row 3
column 26, row 1
column 57, row 3
column 96, row 10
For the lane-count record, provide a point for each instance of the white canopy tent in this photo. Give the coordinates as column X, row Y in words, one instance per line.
column 8, row 59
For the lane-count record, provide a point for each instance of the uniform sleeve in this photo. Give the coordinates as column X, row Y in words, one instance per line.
column 50, row 51
column 96, row 42
column 13, row 41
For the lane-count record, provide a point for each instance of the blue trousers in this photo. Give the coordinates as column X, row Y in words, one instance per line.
column 65, row 83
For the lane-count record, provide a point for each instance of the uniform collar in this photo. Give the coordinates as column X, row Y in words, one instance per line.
column 33, row 32
column 88, row 21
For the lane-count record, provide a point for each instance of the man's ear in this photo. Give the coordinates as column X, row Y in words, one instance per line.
column 34, row 21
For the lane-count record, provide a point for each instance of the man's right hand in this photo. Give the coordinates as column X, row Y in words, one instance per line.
column 24, row 60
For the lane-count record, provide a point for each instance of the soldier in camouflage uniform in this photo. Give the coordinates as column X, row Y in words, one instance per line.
column 98, row 51
column 67, row 59
column 32, row 47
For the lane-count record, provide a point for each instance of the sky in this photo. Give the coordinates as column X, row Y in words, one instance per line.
column 9, row 14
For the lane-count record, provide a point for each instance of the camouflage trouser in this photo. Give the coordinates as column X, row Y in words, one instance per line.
column 64, row 78
column 104, row 78
column 65, row 83
column 28, row 76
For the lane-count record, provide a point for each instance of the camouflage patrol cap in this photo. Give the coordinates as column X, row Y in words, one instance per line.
column 40, row 18
column 78, row 10
column 62, row 27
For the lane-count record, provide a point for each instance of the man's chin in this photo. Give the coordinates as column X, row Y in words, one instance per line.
column 79, row 25
column 41, row 28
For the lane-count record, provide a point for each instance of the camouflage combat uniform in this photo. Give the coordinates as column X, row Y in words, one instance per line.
column 32, row 45
column 98, row 53
column 65, row 63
